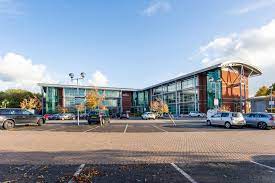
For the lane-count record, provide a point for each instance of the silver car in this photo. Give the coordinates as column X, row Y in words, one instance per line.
column 227, row 119
column 260, row 120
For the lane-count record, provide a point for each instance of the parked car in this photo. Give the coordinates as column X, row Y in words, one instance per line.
column 10, row 117
column 46, row 116
column 227, row 119
column 260, row 120
column 124, row 115
column 67, row 116
column 148, row 115
column 196, row 114
column 54, row 117
column 98, row 116
column 83, row 116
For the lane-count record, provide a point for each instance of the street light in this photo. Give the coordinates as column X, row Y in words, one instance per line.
column 82, row 76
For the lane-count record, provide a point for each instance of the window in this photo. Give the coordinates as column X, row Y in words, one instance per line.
column 263, row 116
column 4, row 111
column 217, row 115
column 25, row 112
column 172, row 87
column 224, row 115
column 178, row 85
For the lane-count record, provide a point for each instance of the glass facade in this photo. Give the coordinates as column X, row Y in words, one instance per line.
column 70, row 97
column 214, row 88
column 181, row 96
column 52, row 99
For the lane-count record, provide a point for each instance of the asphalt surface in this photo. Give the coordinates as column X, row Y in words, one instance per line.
column 246, row 172
column 259, row 169
column 129, row 126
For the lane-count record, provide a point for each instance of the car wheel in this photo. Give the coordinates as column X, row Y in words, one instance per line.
column 262, row 125
column 227, row 125
column 208, row 123
column 40, row 122
column 8, row 124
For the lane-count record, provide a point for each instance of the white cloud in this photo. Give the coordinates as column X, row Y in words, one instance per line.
column 16, row 71
column 255, row 46
column 157, row 6
column 253, row 6
column 98, row 79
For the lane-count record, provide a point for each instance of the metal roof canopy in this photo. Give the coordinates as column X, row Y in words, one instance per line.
column 248, row 70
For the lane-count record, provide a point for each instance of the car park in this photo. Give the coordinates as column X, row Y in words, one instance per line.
column 98, row 116
column 196, row 114
column 9, row 117
column 260, row 120
column 226, row 119
column 148, row 115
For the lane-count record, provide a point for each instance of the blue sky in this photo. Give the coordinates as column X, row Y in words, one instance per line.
column 132, row 43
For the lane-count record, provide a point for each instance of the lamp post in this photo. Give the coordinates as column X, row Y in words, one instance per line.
column 212, row 80
column 271, row 98
column 82, row 76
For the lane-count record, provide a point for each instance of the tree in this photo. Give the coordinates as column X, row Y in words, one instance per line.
column 93, row 99
column 62, row 110
column 158, row 106
column 31, row 103
column 263, row 91
column 4, row 103
column 16, row 96
column 273, row 90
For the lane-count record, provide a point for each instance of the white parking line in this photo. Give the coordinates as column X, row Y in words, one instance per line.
column 159, row 128
column 125, row 128
column 266, row 166
column 91, row 129
column 184, row 173
column 76, row 174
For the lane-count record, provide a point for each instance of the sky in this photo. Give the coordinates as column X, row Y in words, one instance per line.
column 132, row 44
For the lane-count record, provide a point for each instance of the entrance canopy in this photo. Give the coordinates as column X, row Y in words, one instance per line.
column 247, row 70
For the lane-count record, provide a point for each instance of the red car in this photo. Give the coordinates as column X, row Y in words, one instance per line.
column 46, row 116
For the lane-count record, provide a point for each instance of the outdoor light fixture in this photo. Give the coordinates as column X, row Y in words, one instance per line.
column 82, row 76
column 71, row 76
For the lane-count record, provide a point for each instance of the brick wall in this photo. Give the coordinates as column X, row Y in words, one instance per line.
column 203, row 92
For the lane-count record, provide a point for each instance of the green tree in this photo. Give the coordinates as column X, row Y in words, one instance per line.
column 16, row 96
column 273, row 90
column 263, row 91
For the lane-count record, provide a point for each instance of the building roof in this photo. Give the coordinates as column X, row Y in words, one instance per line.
column 249, row 71
column 86, row 87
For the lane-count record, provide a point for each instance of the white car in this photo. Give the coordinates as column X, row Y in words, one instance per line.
column 226, row 119
column 148, row 115
column 196, row 114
